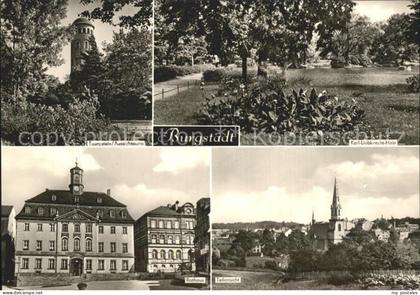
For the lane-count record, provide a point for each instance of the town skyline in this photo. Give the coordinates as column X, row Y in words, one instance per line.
column 142, row 181
column 374, row 183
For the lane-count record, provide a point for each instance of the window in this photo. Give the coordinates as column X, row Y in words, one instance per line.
column 52, row 245
column 125, row 265
column 154, row 254
column 27, row 209
column 111, row 213
column 170, row 254
column 123, row 214
column 191, row 240
column 153, row 223
column 89, row 227
column 88, row 264
column 162, row 254
column 101, row 229
column 176, row 239
column 76, row 199
column 26, row 245
column 52, row 227
column 25, row 263
column 339, row 227
column 113, row 265
column 39, row 227
column 113, row 247
column 38, row 263
column 26, row 227
column 53, row 211
column 153, row 239
column 168, row 224
column 86, row 44
column 64, row 244
column 125, row 247
column 176, row 224
column 161, row 239
column 101, row 264
column 65, row 228
column 64, row 263
column 112, row 229
column 160, row 224
column 169, row 239
column 178, row 254
column 51, row 263
column 100, row 213
column 101, row 247
column 53, row 198
column 76, row 245
column 77, row 228
column 39, row 245
column 88, row 245
column 40, row 211
column 124, row 230
column 99, row 200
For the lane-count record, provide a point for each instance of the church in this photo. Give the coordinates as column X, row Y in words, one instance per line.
column 74, row 233
column 324, row 234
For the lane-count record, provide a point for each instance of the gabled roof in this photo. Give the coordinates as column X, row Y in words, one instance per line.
column 163, row 211
column 66, row 197
column 5, row 210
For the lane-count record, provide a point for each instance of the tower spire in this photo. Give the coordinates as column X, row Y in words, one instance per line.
column 335, row 206
column 313, row 217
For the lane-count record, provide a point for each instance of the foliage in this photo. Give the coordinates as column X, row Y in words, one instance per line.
column 413, row 83
column 31, row 37
column 265, row 107
column 164, row 73
column 107, row 10
column 215, row 75
column 394, row 281
column 304, row 260
column 25, row 123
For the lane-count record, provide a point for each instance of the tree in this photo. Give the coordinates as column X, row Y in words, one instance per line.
column 282, row 243
column 31, row 37
column 298, row 240
column 108, row 9
column 304, row 260
column 274, row 28
column 246, row 241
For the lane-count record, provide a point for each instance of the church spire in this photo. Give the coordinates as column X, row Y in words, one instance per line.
column 335, row 206
column 313, row 217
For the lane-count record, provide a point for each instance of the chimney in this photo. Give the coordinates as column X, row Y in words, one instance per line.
column 108, row 192
column 176, row 205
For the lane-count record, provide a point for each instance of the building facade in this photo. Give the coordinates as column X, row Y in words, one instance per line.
column 8, row 235
column 164, row 239
column 83, row 32
column 74, row 232
column 202, row 235
column 324, row 234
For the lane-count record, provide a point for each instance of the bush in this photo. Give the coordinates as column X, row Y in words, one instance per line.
column 214, row 75
column 340, row 278
column 271, row 264
column 164, row 73
column 338, row 62
column 265, row 107
column 55, row 125
column 128, row 106
column 394, row 281
column 413, row 84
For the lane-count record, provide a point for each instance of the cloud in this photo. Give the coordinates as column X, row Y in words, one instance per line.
column 179, row 159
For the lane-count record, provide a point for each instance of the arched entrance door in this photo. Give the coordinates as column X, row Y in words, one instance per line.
column 76, row 267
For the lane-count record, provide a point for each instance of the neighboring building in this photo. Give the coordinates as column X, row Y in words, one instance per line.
column 202, row 235
column 324, row 234
column 382, row 235
column 164, row 239
column 8, row 234
column 257, row 249
column 74, row 232
column 80, row 44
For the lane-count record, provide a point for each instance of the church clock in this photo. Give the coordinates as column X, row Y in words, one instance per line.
column 76, row 180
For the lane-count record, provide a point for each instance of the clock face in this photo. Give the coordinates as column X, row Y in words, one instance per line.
column 76, row 188
column 188, row 211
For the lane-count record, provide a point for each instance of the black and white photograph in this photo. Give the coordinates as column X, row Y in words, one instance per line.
column 75, row 71
column 315, row 219
column 290, row 72
column 105, row 219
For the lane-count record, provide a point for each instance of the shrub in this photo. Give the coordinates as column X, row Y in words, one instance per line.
column 340, row 278
column 394, row 281
column 338, row 62
column 413, row 84
column 128, row 106
column 214, row 75
column 265, row 107
column 164, row 73
column 271, row 264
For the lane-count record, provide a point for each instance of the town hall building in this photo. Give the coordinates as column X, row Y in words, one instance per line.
column 74, row 232
column 324, row 234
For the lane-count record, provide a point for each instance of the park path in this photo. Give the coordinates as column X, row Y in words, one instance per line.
column 169, row 85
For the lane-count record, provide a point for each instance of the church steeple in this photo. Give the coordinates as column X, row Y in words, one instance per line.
column 76, row 180
column 313, row 217
column 335, row 206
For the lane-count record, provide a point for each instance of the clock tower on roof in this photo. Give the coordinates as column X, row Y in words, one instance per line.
column 76, row 180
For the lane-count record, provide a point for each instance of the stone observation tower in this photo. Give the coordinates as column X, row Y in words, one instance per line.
column 80, row 43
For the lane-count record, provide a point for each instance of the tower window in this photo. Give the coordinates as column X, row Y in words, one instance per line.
column 339, row 227
column 76, row 199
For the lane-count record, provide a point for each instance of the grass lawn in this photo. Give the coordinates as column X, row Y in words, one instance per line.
column 380, row 92
column 271, row 281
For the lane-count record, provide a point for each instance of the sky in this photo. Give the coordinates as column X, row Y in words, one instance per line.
column 381, row 10
column 287, row 183
column 141, row 178
column 103, row 33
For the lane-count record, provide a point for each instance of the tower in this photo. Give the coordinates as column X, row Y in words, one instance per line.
column 76, row 181
column 335, row 206
column 80, row 43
